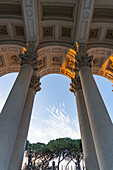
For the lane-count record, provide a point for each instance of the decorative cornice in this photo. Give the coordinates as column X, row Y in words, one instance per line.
column 75, row 84
column 35, row 83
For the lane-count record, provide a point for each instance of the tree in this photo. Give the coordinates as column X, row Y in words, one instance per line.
column 42, row 153
column 75, row 155
column 63, row 148
column 28, row 145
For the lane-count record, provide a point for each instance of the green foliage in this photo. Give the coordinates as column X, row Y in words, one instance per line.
column 65, row 148
column 62, row 148
column 28, row 145
column 38, row 147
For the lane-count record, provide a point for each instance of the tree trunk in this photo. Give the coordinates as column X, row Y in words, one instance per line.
column 58, row 165
column 53, row 165
column 78, row 163
column 59, row 161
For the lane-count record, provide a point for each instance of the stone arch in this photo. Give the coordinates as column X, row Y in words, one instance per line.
column 9, row 60
column 102, row 62
column 57, row 59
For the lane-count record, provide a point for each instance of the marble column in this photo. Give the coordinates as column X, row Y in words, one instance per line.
column 89, row 152
column 11, row 114
column 18, row 151
column 100, row 122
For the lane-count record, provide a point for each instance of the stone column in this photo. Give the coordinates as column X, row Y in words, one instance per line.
column 100, row 122
column 89, row 152
column 11, row 114
column 18, row 151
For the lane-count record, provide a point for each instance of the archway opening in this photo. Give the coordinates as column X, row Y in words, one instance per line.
column 105, row 88
column 6, row 83
column 54, row 113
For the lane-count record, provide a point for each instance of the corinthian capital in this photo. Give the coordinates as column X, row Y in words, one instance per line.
column 82, row 58
column 75, row 84
column 30, row 56
column 35, row 83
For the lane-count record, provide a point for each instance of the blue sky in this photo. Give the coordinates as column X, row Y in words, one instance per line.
column 54, row 113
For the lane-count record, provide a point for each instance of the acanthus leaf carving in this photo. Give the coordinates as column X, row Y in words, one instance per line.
column 35, row 83
column 81, row 57
column 75, row 84
column 30, row 56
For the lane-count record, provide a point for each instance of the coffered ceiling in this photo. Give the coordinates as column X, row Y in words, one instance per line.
column 55, row 26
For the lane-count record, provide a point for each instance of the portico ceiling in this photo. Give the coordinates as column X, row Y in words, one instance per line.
column 56, row 26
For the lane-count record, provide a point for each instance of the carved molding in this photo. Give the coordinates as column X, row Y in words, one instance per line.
column 30, row 19
column 85, row 16
column 10, row 61
column 100, row 52
column 2, row 64
column 55, row 59
column 102, row 62
column 13, row 60
column 42, row 63
column 10, row 48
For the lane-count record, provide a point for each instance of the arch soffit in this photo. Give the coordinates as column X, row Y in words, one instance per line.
column 9, row 61
column 102, row 62
column 56, row 59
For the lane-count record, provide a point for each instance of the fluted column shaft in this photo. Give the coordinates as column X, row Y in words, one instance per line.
column 12, row 111
column 89, row 151
column 11, row 115
column 90, row 157
column 101, row 125
column 100, row 122
column 18, row 151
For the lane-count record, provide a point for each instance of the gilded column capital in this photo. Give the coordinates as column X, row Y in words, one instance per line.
column 75, row 84
column 30, row 56
column 81, row 57
column 35, row 83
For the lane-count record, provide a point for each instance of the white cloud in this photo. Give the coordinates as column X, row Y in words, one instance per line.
column 58, row 125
